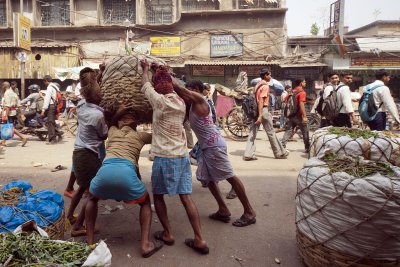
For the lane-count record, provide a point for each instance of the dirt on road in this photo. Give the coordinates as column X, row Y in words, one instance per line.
column 270, row 185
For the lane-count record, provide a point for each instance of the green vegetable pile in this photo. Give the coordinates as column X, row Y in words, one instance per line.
column 353, row 133
column 31, row 249
column 355, row 167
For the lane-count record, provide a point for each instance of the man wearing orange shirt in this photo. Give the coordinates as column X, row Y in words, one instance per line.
column 264, row 118
column 300, row 119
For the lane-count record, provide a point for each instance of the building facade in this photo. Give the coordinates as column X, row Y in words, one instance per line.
column 208, row 39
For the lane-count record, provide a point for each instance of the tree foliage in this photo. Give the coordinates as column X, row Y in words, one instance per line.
column 314, row 29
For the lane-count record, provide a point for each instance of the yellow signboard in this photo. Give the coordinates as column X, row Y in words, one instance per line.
column 22, row 31
column 165, row 46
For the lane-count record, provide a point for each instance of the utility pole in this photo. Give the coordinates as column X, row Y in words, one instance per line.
column 22, row 71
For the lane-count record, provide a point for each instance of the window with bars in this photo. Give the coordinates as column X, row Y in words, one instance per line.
column 117, row 11
column 3, row 13
column 192, row 5
column 55, row 12
column 158, row 12
column 245, row 4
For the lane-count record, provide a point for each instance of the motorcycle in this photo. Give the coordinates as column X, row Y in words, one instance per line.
column 35, row 127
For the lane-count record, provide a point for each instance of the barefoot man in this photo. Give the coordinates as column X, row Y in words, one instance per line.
column 213, row 162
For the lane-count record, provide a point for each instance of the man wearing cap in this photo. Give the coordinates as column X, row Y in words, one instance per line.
column 264, row 117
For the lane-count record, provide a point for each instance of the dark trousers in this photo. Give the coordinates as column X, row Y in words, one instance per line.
column 379, row 123
column 51, row 123
column 290, row 125
column 342, row 120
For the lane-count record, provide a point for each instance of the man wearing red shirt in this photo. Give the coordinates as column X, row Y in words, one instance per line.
column 300, row 119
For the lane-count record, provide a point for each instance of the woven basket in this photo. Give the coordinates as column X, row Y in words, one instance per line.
column 56, row 230
column 315, row 254
column 122, row 82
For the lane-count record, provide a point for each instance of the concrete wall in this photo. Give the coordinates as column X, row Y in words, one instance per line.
column 86, row 13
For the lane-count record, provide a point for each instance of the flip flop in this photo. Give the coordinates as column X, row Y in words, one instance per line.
column 218, row 217
column 159, row 235
column 69, row 194
column 82, row 232
column 24, row 142
column 243, row 221
column 157, row 246
column 190, row 243
column 231, row 195
column 59, row 168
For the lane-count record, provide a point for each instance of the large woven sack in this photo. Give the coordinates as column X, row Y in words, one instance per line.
column 121, row 83
column 380, row 146
column 349, row 215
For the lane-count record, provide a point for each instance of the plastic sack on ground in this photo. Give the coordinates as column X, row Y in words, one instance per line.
column 356, row 216
column 47, row 195
column 6, row 214
column 45, row 208
column 24, row 185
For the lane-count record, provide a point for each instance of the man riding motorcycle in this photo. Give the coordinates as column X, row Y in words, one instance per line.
column 31, row 102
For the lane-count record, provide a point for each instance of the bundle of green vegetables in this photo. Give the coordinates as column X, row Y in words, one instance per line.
column 31, row 249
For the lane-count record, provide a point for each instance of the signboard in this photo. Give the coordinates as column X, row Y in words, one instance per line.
column 299, row 73
column 208, row 71
column 337, row 17
column 375, row 62
column 226, row 45
column 22, row 31
column 251, row 70
column 165, row 46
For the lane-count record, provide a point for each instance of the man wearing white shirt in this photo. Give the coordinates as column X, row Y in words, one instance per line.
column 50, row 108
column 346, row 111
column 384, row 100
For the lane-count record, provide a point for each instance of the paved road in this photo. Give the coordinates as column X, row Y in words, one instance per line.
column 270, row 185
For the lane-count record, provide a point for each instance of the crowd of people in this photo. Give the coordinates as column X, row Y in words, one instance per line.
column 112, row 171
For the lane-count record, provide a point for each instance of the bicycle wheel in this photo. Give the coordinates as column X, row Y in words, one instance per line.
column 236, row 125
column 72, row 123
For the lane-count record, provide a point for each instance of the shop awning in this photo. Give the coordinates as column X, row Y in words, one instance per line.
column 10, row 44
column 221, row 62
column 302, row 65
column 386, row 44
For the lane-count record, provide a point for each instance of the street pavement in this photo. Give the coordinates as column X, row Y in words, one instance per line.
column 270, row 185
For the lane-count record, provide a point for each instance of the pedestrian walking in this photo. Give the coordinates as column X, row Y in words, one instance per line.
column 15, row 88
column 344, row 105
column 213, row 161
column 49, row 108
column 299, row 118
column 171, row 172
column 383, row 100
column 11, row 104
column 265, row 118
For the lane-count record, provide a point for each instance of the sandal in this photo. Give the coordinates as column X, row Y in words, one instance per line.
column 157, row 246
column 59, row 168
column 231, row 195
column 243, row 221
column 218, row 217
column 69, row 194
column 159, row 235
column 190, row 243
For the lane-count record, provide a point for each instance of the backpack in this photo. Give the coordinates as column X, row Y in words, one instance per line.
column 250, row 106
column 60, row 102
column 320, row 103
column 367, row 107
column 330, row 109
column 291, row 105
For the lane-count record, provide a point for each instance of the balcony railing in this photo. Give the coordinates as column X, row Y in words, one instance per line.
column 247, row 4
column 118, row 11
column 54, row 12
column 159, row 14
column 193, row 5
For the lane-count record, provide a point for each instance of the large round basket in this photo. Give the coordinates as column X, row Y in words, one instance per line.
column 317, row 255
column 56, row 230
